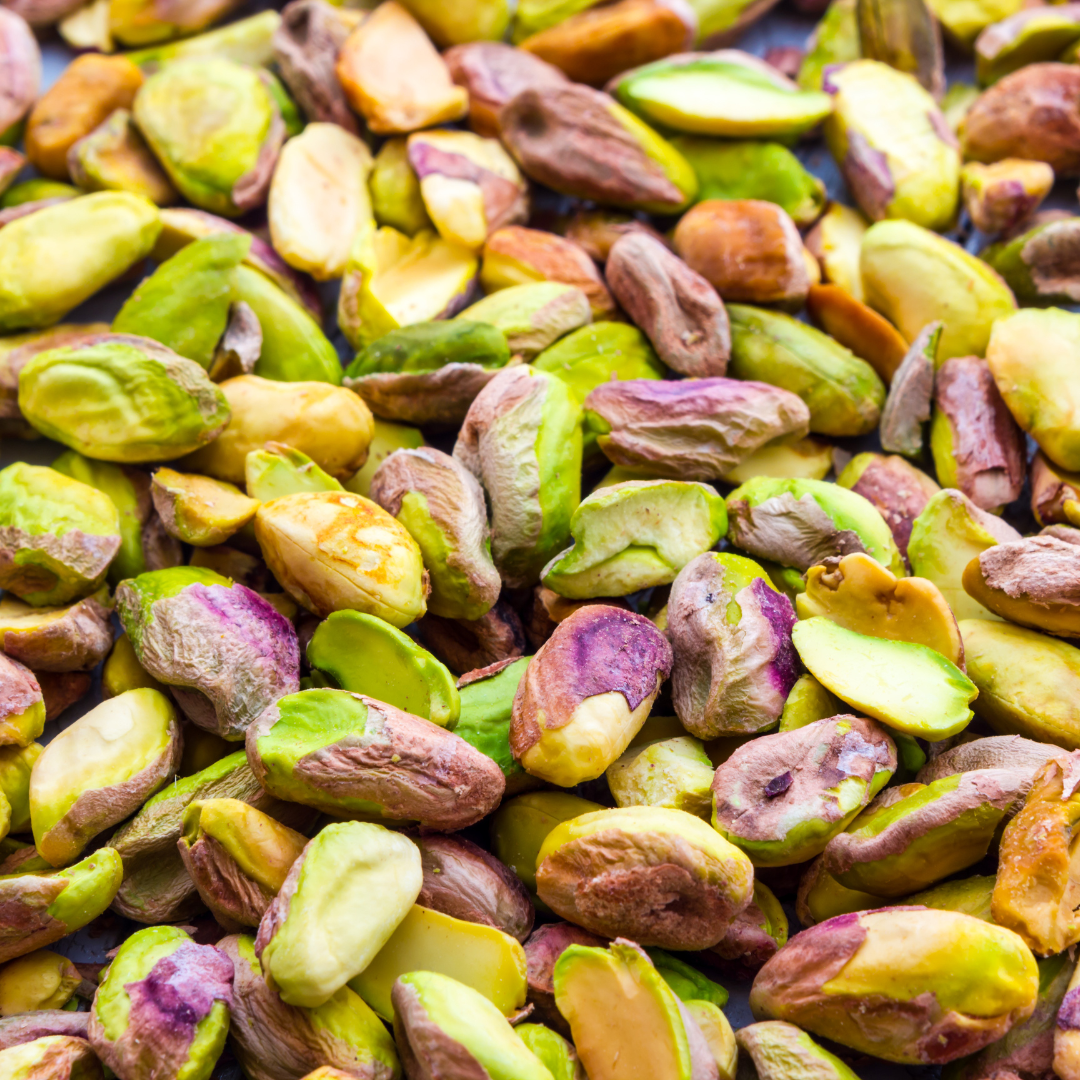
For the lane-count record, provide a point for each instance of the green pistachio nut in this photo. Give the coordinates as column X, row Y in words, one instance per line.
column 387, row 438
column 964, row 20
column 140, row 22
column 122, row 671
column 970, row 895
column 54, row 259
column 125, row 399
column 656, row 1031
column 99, row 770
column 225, row 651
column 395, row 190
column 300, row 750
column 392, row 280
column 215, row 127
column 37, row 189
column 481, row 957
column 834, row 41
column 530, row 418
column 278, row 470
column 39, row 980
column 913, row 277
column 844, row 394
column 999, row 197
column 57, row 536
column 318, row 932
column 800, row 523
column 918, row 840
column 749, row 169
column 688, row 983
column 640, row 844
column 1033, row 264
column 930, row 972
column 487, row 700
column 731, row 94
column 22, row 710
column 806, row 702
column 366, row 655
column 634, row 536
column 44, row 907
column 16, row 763
column 127, row 1029
column 558, row 1056
column 907, row 686
column 1026, row 37
column 442, row 505
column 534, row 316
column 781, row 1051
column 673, row 773
column 1030, row 356
column 198, row 509
column 60, row 1057
column 757, row 932
column 429, row 372
column 535, row 15
column 343, row 1032
column 440, row 1024
column 782, row 798
column 892, row 144
column 730, row 632
column 473, row 20
column 247, row 41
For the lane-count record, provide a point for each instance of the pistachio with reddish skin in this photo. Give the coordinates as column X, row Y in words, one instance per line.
column 493, row 73
column 896, row 488
column 1055, row 493
column 747, row 249
column 469, row 644
column 543, row 948
column 306, row 47
column 1031, row 114
column 992, row 752
column 22, row 708
column 597, row 231
column 586, row 693
column 1042, row 264
column 581, row 142
column 22, row 70
column 999, row 196
column 347, row 754
column 662, row 875
column 977, row 445
column 757, row 932
column 16, row 1030
column 464, row 881
column 225, row 650
column 889, row 983
column 907, row 405
column 1034, row 582
column 52, row 1057
column 546, row 609
column 783, row 797
column 74, row 638
column 730, row 632
column 693, row 429
column 678, row 309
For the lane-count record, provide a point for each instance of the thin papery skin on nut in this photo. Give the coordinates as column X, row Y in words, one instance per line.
column 782, row 797
column 757, row 932
column 663, row 876
column 587, row 692
column 26, row 1027
column 1037, row 890
column 909, row 984
column 543, row 948
column 730, row 632
column 993, row 752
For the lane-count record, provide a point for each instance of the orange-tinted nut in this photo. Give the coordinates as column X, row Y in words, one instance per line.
column 870, row 336
column 88, row 91
column 747, row 249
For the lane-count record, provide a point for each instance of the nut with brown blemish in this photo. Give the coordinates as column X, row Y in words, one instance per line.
column 586, row 693
column 1055, row 493
column 693, row 429
column 977, row 445
column 677, row 308
column 748, row 250
column 1034, row 582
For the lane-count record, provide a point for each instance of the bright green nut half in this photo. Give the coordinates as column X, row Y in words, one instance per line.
column 366, row 655
column 636, row 535
column 1034, row 356
column 1026, row 38
column 321, row 929
column 279, row 470
column 130, row 1031
column 909, row 687
column 487, row 702
column 720, row 95
column 16, row 763
column 749, row 169
column 808, row 701
column 428, row 346
column 127, row 399
column 918, row 840
column 54, row 259
column 558, row 1056
column 441, row 1025
column 532, row 317
column 395, row 190
column 57, row 535
column 688, row 983
column 781, row 1051
column 843, row 393
column 892, row 144
column 675, row 773
column 207, row 121
column 944, row 984
column 100, row 769
column 1026, row 261
column 1027, row 681
column 799, row 523
column 834, row 41
column 971, row 896
column 914, row 277
column 388, row 437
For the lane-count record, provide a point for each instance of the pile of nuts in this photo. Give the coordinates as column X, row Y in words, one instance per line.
column 472, row 703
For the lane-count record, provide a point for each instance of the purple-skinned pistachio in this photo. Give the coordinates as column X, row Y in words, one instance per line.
column 26, row 1027
column 586, row 693
column 21, row 54
column 225, row 650
column 696, row 429
column 730, row 632
column 757, row 932
column 999, row 196
column 162, row 1010
column 912, row 985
